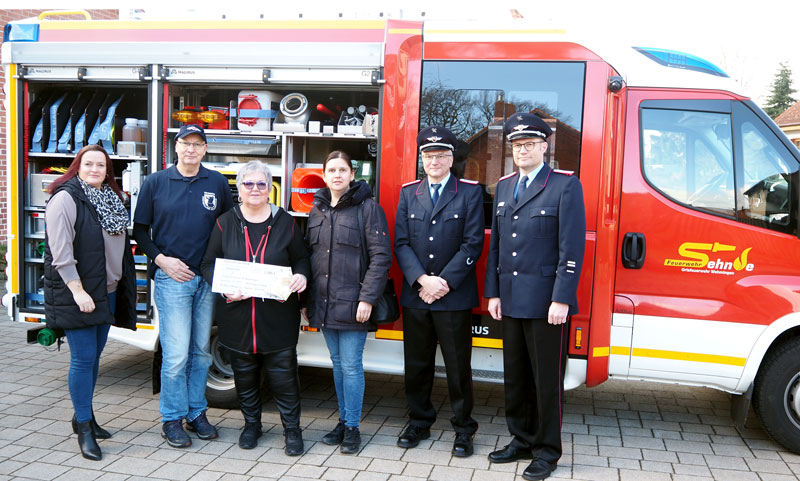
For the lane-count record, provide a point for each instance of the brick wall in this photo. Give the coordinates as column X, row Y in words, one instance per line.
column 5, row 17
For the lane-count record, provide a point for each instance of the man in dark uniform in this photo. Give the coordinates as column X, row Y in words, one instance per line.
column 535, row 256
column 438, row 239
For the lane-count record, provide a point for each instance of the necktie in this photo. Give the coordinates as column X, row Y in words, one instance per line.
column 435, row 195
column 523, row 182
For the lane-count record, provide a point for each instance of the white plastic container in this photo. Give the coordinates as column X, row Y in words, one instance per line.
column 263, row 103
column 131, row 132
column 142, row 124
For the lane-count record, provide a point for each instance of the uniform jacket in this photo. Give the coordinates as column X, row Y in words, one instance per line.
column 334, row 239
column 443, row 241
column 257, row 325
column 537, row 243
column 60, row 308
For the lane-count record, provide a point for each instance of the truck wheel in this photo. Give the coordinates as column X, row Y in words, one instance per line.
column 220, row 389
column 776, row 398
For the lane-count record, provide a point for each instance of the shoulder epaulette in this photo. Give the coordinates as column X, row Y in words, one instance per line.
column 412, row 182
column 468, row 181
column 564, row 172
column 512, row 174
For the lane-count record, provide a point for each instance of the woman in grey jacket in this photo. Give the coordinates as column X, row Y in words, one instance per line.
column 341, row 301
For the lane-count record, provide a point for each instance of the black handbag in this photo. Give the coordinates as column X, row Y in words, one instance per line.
column 386, row 309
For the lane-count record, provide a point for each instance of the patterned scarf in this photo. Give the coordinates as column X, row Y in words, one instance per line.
column 113, row 216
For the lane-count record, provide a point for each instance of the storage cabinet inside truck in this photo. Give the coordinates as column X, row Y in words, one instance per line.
column 62, row 115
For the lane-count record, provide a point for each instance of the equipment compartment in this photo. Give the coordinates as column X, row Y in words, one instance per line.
column 59, row 118
column 289, row 127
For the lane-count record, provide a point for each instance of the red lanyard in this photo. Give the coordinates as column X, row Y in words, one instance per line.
column 249, row 247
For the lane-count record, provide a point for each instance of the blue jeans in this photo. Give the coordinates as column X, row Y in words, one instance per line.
column 347, row 354
column 185, row 312
column 85, row 346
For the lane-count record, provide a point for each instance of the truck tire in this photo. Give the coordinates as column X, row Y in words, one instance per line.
column 220, row 388
column 776, row 399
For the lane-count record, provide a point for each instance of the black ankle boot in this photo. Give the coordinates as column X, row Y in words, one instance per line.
column 99, row 432
column 87, row 442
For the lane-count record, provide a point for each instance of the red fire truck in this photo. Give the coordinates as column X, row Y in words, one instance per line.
column 692, row 254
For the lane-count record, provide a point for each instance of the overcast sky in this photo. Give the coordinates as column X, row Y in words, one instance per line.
column 748, row 40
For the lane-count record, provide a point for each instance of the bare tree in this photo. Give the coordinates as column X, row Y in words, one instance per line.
column 465, row 112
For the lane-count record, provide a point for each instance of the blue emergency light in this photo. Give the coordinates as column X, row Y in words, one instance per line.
column 21, row 32
column 675, row 59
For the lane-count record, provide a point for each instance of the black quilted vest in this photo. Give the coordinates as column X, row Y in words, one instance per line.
column 89, row 251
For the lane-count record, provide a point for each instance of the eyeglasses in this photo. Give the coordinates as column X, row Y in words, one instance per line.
column 432, row 157
column 249, row 185
column 528, row 146
column 196, row 145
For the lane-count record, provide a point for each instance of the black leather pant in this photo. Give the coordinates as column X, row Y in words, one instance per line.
column 280, row 370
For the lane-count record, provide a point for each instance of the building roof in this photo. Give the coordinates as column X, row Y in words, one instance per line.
column 790, row 116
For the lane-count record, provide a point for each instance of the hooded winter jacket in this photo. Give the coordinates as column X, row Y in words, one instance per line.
column 257, row 325
column 334, row 238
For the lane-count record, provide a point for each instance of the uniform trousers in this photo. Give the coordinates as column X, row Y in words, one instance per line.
column 280, row 370
column 422, row 328
column 534, row 362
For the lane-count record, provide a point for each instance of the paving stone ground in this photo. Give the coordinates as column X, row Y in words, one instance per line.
column 620, row 430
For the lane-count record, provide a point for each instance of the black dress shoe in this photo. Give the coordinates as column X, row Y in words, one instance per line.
column 462, row 446
column 99, row 433
column 87, row 442
column 538, row 469
column 509, row 454
column 412, row 436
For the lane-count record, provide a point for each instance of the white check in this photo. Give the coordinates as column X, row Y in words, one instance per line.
column 265, row 281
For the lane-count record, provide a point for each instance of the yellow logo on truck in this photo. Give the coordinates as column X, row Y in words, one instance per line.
column 695, row 258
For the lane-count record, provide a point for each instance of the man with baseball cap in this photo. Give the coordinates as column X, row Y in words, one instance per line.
column 176, row 209
column 532, row 271
column 438, row 239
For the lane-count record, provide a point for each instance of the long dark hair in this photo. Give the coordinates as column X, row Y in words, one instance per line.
column 337, row 154
column 72, row 171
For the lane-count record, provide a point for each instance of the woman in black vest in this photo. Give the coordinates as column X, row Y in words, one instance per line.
column 90, row 282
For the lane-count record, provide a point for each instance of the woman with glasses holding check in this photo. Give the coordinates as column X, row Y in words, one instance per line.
column 261, row 334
